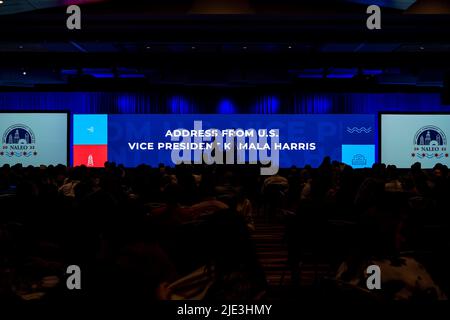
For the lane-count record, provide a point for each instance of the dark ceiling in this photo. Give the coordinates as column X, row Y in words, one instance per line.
column 230, row 43
column 207, row 6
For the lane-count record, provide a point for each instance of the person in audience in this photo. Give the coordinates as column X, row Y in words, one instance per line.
column 393, row 183
column 231, row 271
column 382, row 239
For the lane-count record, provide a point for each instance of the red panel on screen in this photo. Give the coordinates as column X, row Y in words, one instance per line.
column 90, row 155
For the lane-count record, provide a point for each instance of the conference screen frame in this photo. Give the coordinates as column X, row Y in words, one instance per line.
column 101, row 139
column 68, row 127
column 405, row 113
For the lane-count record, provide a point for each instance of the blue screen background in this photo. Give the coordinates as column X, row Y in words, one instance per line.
column 329, row 132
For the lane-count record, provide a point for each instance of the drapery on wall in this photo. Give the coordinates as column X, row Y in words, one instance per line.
column 179, row 103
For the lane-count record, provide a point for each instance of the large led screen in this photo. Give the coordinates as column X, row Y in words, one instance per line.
column 34, row 138
column 409, row 138
column 277, row 141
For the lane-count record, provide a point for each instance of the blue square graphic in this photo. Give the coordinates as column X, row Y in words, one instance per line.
column 358, row 155
column 90, row 129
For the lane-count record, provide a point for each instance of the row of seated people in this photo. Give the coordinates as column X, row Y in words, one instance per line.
column 396, row 221
column 129, row 244
column 184, row 232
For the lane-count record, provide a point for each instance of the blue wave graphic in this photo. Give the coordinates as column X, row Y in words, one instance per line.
column 359, row 130
column 429, row 156
column 19, row 154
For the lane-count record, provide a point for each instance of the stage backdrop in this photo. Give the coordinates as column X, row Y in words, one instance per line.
column 289, row 140
column 209, row 100
column 224, row 101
